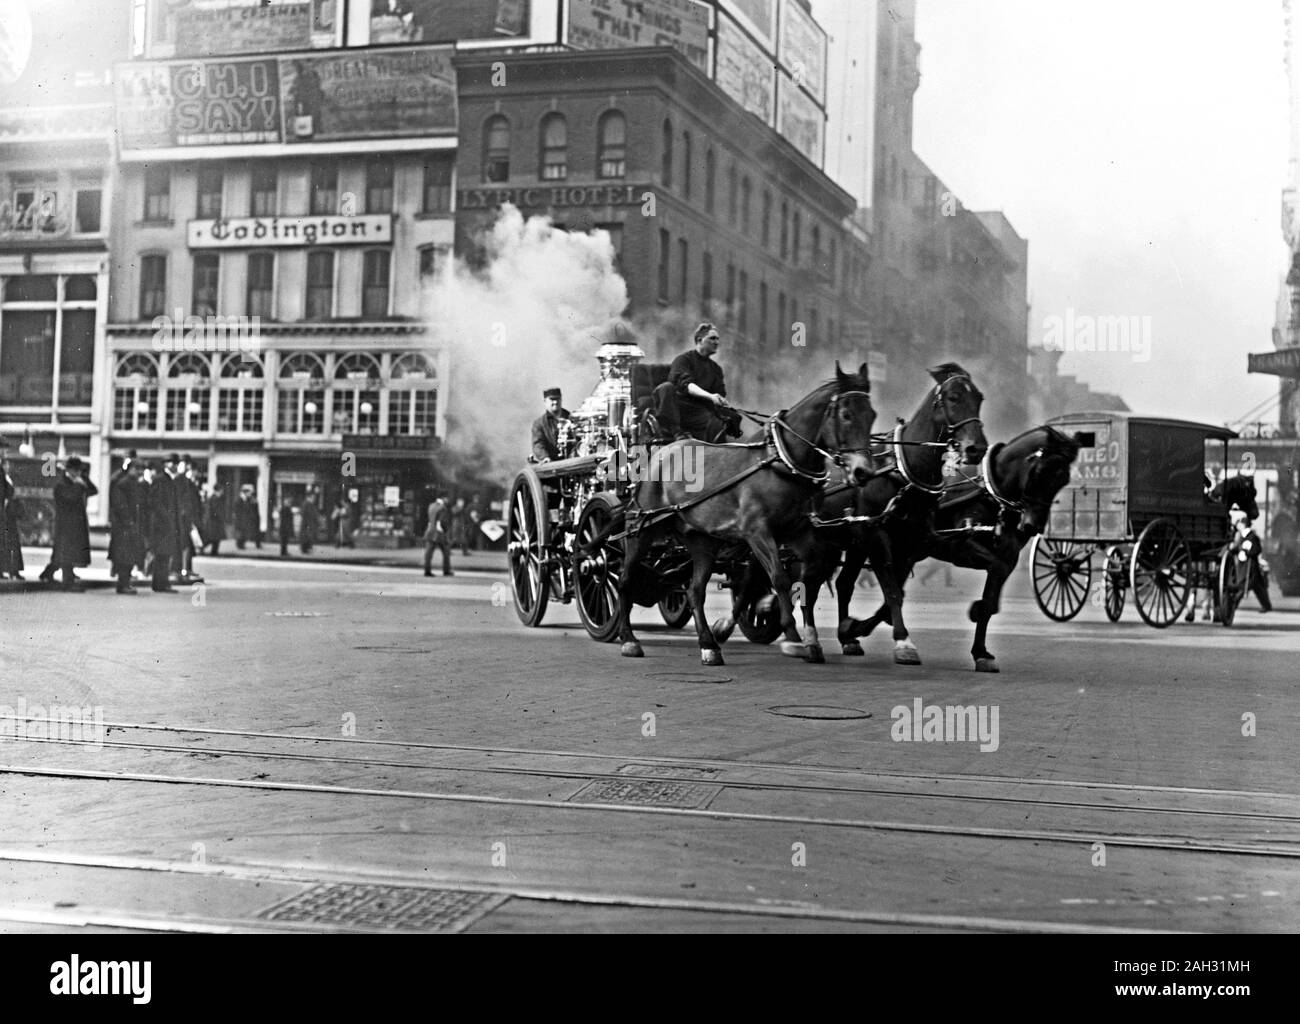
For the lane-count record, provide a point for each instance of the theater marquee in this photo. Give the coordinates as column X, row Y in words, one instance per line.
column 249, row 232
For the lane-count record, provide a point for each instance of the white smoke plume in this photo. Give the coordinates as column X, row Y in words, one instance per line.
column 532, row 318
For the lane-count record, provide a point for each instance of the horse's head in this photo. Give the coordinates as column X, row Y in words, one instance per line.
column 1239, row 491
column 1039, row 464
column 847, row 423
column 955, row 407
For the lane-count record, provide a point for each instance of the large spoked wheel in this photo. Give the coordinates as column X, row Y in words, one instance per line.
column 1234, row 584
column 760, row 622
column 675, row 608
column 528, row 530
column 597, row 568
column 1062, row 573
column 1161, row 573
column 1116, row 583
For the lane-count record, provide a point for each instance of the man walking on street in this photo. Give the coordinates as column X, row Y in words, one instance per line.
column 438, row 535
column 71, row 525
column 285, row 526
column 164, row 525
column 248, row 520
column 128, row 511
column 309, row 524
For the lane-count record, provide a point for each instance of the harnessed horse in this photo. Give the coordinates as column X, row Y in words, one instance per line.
column 760, row 498
column 986, row 523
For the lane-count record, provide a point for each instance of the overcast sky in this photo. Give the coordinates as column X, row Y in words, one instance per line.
column 1141, row 146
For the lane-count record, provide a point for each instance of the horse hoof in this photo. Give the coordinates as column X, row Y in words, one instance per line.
column 852, row 649
column 711, row 657
column 815, row 655
column 905, row 653
column 986, row 665
column 723, row 628
column 632, row 650
column 793, row 650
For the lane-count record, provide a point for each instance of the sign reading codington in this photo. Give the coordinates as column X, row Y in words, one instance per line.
column 242, row 232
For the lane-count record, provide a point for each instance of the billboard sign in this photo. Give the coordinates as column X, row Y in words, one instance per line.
column 198, row 103
column 801, row 121
column 415, row 21
column 803, row 49
column 614, row 24
column 246, row 232
column 759, row 16
column 744, row 71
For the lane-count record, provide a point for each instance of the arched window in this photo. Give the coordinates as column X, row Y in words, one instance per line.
column 302, row 394
column 554, row 137
column 413, row 396
column 611, row 154
column 356, row 394
column 667, row 171
column 241, row 394
column 496, row 148
column 135, row 393
column 188, row 404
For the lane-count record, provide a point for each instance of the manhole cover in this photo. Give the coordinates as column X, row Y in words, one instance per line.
column 668, row 771
column 646, row 793
column 687, row 677
column 385, row 907
column 814, row 711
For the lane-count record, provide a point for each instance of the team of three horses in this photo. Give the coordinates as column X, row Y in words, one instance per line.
column 774, row 490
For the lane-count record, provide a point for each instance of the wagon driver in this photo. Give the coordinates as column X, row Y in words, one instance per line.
column 546, row 427
column 694, row 401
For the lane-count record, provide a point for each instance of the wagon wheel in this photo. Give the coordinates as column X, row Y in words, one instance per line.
column 1161, row 576
column 675, row 608
column 528, row 530
column 1234, row 583
column 1062, row 573
column 760, row 622
column 1116, row 583
column 597, row 568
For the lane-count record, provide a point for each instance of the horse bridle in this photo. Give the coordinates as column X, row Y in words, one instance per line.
column 949, row 434
column 836, row 454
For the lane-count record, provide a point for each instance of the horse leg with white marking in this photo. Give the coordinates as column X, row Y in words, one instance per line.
column 703, row 554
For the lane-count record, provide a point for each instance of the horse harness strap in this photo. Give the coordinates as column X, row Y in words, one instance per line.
column 901, row 465
column 646, row 519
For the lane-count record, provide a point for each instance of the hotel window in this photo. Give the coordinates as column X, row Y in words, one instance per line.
column 666, row 172
column 189, row 392
column 210, row 182
column 764, row 331
column 710, row 183
column 796, row 248
column 785, row 229
column 413, row 396
column 379, row 185
column 240, row 394
column 733, row 197
column 135, row 392
column 684, row 270
column 687, row 157
column 730, row 312
column 767, row 219
column 743, row 311
column 261, row 284
column 554, row 136
column 706, row 284
column 437, row 182
column 153, row 286
column 496, row 149
column 264, row 190
column 611, row 156
column 356, row 394
column 325, row 189
column 746, row 200
column 320, row 285
column 782, row 324
column 663, row 265
column 158, row 193
column 301, row 394
column 817, row 250
column 207, row 275
column 374, row 284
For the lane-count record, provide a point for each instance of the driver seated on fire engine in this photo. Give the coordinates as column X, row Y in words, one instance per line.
column 693, row 403
column 546, row 428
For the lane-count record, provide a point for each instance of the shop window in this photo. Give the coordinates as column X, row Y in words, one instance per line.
column 189, row 392
column 264, row 190
column 210, row 185
column 158, row 193
column 240, row 395
column 87, row 205
column 135, row 393
column 379, row 185
column 325, row 188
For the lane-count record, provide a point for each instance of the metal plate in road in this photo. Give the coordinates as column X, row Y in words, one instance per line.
column 384, row 908
column 646, row 793
column 817, row 712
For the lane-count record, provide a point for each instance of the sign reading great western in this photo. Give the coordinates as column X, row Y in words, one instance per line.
column 613, row 24
column 368, row 95
column 246, row 232
column 198, row 103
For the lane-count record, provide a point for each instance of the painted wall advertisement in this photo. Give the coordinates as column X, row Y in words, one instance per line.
column 801, row 121
column 414, row 21
column 203, row 28
column 803, row 49
column 301, row 98
column 745, row 72
column 612, row 24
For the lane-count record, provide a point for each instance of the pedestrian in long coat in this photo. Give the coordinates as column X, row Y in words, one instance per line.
column 285, row 527
column 248, row 521
column 309, row 530
column 128, row 510
column 71, row 525
column 164, row 524
column 11, row 542
column 214, row 519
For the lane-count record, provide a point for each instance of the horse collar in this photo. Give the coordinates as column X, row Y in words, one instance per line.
column 901, row 459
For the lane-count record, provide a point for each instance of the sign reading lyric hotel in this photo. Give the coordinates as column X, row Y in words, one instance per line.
column 243, row 232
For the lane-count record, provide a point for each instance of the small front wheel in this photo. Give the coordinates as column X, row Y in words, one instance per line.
column 1062, row 574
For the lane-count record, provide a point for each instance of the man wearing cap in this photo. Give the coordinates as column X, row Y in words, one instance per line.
column 71, row 526
column 694, row 401
column 546, row 428
column 164, row 524
column 248, row 520
column 128, row 512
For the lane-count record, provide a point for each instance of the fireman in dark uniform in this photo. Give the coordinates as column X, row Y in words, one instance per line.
column 694, row 401
column 546, row 427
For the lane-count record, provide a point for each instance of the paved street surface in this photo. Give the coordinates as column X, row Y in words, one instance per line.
column 300, row 745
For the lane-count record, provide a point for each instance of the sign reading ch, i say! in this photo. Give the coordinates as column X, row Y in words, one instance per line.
column 244, row 232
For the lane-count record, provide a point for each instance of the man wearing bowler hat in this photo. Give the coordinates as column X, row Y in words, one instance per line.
column 546, row 427
column 164, row 524
column 71, row 526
